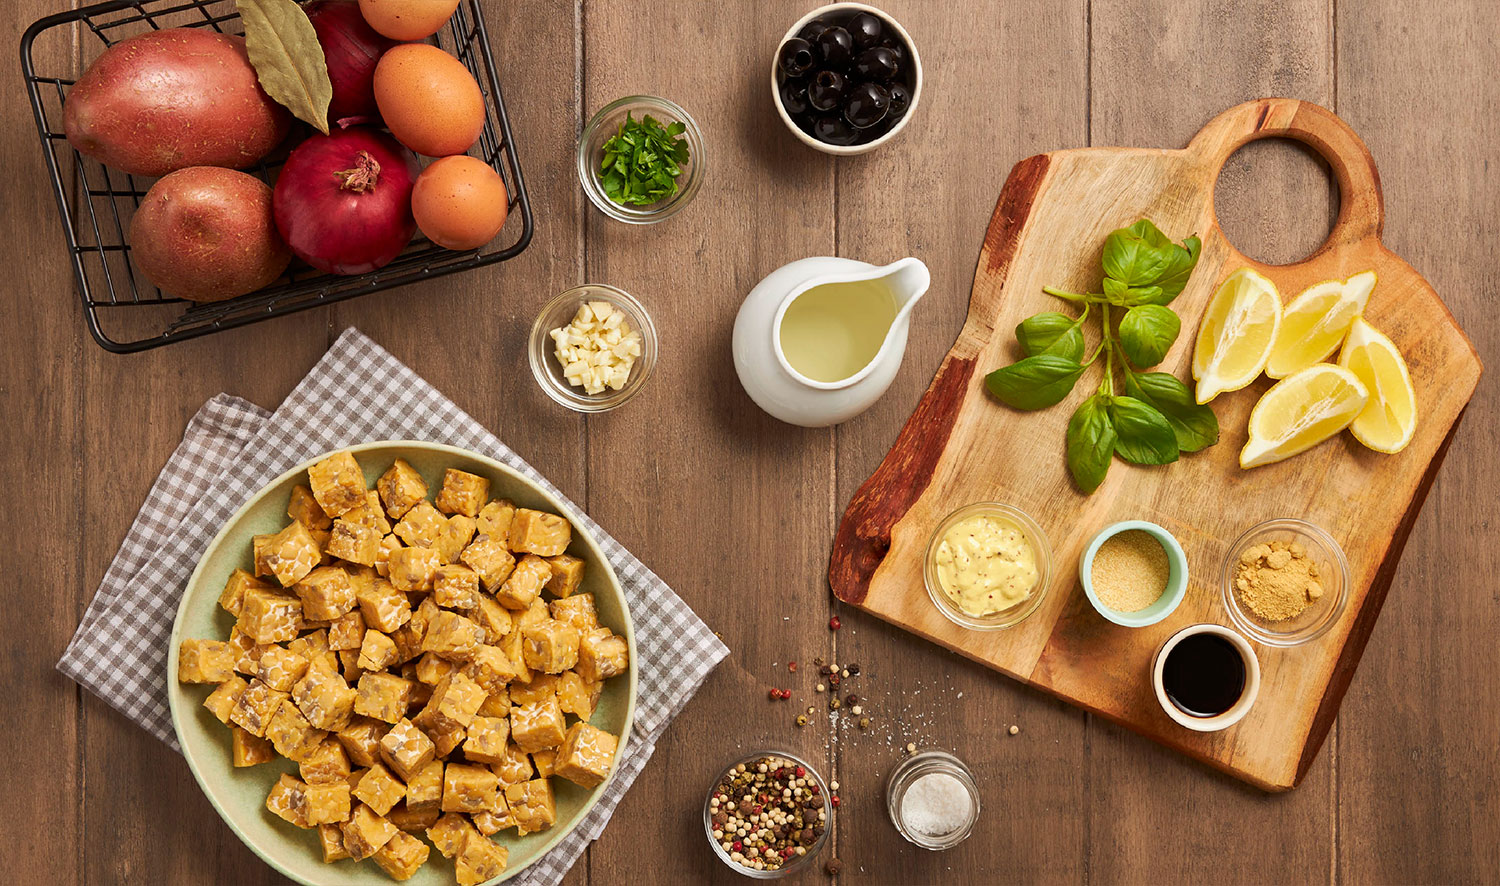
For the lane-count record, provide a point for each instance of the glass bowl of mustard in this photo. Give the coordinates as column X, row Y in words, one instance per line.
column 988, row 566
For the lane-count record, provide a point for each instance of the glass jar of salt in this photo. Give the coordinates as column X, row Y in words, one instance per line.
column 933, row 800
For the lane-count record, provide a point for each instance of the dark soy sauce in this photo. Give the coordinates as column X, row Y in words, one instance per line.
column 1203, row 675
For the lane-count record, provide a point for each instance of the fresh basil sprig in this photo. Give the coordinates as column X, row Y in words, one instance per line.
column 1156, row 418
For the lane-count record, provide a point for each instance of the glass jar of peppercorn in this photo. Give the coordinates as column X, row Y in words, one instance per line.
column 767, row 814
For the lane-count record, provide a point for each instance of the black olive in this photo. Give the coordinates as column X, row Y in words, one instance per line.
column 794, row 97
column 877, row 64
column 866, row 30
column 812, row 29
column 796, row 57
column 833, row 130
column 836, row 47
column 897, row 49
column 866, row 104
column 825, row 91
column 900, row 102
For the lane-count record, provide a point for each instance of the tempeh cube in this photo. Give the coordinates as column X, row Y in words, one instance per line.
column 323, row 696
column 365, row 832
column 494, row 518
column 379, row 789
column 388, row 545
column 354, row 542
column 337, row 483
column 415, row 821
column 586, row 755
column 326, row 593
column 601, row 655
column 314, row 646
column 532, row 805
column 304, row 508
column 494, row 618
column 567, row 574
column 422, row 526
column 491, row 559
column 406, row 749
column 280, row 668
column 327, row 803
column 289, row 555
column 326, row 764
column 331, row 841
column 578, row 696
column 222, row 700
column 541, row 688
column 383, row 696
column 288, row 801
column 455, row 700
column 462, row 493
column 401, row 856
column 269, row 617
column 537, row 726
column 452, row 636
column 361, row 740
column 256, row 705
column 401, row 488
column 525, row 583
column 385, row 609
column 550, row 647
column 577, row 610
column 545, row 762
column 205, row 661
column 515, row 768
column 487, row 739
column 479, row 861
column 347, row 631
column 234, row 590
column 455, row 537
column 491, row 668
column 432, row 668
column 488, row 823
column 413, row 569
column 292, row 735
column 449, row 833
column 540, row 533
column 377, row 652
column 249, row 750
column 469, row 788
column 424, row 790
column 456, row 587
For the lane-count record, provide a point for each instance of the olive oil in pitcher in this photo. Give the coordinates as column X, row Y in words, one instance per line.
column 832, row 331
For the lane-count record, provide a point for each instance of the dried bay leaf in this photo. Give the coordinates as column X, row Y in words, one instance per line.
column 288, row 59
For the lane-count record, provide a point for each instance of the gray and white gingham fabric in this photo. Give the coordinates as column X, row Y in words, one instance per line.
column 358, row 392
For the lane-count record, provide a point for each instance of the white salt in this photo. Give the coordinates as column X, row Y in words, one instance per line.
column 936, row 804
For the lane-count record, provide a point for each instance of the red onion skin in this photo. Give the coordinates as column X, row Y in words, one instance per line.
column 352, row 49
column 343, row 201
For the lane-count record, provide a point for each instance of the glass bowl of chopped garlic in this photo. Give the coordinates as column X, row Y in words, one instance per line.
column 592, row 348
column 1285, row 582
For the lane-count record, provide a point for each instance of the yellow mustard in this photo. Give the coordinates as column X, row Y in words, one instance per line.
column 985, row 564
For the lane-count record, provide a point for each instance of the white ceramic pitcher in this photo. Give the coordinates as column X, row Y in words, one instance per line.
column 770, row 379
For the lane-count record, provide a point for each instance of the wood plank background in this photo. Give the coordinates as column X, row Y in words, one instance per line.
column 737, row 510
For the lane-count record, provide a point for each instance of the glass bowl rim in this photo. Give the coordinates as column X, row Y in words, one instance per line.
column 802, row 860
column 1005, row 618
column 588, row 174
column 1253, row 629
column 537, row 351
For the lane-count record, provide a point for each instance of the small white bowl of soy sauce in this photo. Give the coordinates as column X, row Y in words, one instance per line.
column 1206, row 677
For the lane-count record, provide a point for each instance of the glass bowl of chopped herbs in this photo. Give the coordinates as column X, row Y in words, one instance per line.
column 641, row 159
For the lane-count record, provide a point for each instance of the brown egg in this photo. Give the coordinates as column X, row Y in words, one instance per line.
column 407, row 19
column 428, row 99
column 459, row 202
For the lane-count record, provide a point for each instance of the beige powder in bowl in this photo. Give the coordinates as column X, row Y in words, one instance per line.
column 1130, row 571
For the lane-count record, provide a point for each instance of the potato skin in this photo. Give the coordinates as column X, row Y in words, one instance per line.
column 206, row 233
column 167, row 100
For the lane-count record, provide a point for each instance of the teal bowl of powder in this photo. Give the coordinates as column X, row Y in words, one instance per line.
column 1125, row 562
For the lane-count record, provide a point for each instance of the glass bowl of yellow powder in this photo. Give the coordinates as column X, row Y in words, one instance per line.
column 988, row 566
column 1134, row 573
column 1285, row 582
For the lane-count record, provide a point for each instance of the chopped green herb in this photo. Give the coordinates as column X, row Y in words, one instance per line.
column 642, row 161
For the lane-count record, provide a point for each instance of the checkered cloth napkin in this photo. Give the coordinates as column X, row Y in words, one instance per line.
column 358, row 392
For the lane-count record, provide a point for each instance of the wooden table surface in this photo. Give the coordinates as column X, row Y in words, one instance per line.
column 737, row 511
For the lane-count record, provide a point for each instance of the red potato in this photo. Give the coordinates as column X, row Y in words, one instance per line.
column 166, row 100
column 206, row 233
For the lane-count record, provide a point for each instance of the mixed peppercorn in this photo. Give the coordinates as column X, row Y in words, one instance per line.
column 767, row 812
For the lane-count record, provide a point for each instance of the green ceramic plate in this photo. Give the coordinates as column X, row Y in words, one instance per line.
column 240, row 794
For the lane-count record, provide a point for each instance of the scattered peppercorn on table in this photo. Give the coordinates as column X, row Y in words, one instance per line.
column 735, row 510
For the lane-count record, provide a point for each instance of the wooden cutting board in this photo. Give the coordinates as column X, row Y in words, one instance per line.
column 961, row 446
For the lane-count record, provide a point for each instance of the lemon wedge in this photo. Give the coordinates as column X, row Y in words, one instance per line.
column 1301, row 411
column 1236, row 335
column 1315, row 323
column 1390, row 418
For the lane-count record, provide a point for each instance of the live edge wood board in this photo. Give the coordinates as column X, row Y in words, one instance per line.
column 961, row 446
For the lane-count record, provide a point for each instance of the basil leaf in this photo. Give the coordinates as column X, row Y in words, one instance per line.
column 1195, row 425
column 1035, row 382
column 1176, row 275
column 1137, row 255
column 1050, row 332
column 1147, row 332
column 1115, row 291
column 1145, row 437
column 1090, row 443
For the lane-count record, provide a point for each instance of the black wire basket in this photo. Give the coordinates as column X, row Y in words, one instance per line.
column 125, row 313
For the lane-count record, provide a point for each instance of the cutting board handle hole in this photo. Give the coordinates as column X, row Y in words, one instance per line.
column 1276, row 200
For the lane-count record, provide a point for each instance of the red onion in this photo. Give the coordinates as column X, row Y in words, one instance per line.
column 343, row 201
column 352, row 48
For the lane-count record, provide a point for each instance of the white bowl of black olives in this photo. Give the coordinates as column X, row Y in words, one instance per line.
column 846, row 78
